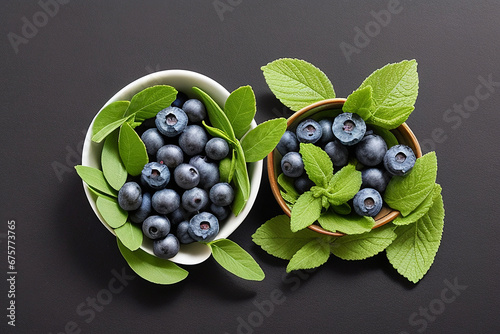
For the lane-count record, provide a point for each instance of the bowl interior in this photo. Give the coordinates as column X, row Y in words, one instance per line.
column 183, row 81
column 316, row 111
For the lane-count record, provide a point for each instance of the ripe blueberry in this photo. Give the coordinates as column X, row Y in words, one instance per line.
column 195, row 110
column 221, row 212
column 370, row 151
column 179, row 100
column 194, row 199
column 153, row 140
column 186, row 176
column 130, row 196
column 167, row 247
column 193, row 139
column 165, row 201
column 308, row 131
column 337, row 152
column 375, row 178
column 326, row 131
column 288, row 143
column 221, row 194
column 139, row 215
column 367, row 202
column 209, row 171
column 349, row 128
column 203, row 227
column 171, row 121
column 170, row 155
column 155, row 175
column 292, row 164
column 399, row 160
column 217, row 149
column 156, row 227
column 182, row 233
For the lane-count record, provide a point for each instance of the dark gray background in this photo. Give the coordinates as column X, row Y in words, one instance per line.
column 56, row 82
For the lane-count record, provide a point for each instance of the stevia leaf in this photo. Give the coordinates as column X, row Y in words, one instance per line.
column 287, row 184
column 276, row 238
column 94, row 178
column 236, row 260
column 313, row 254
column 317, row 163
column 240, row 108
column 389, row 138
column 362, row 246
column 416, row 245
column 132, row 150
column 350, row 224
column 297, row 83
column 344, row 185
column 420, row 210
column 112, row 166
column 113, row 215
column 241, row 180
column 360, row 102
column 261, row 140
column 130, row 235
column 405, row 193
column 305, row 211
column 148, row 102
column 342, row 209
column 113, row 113
column 152, row 268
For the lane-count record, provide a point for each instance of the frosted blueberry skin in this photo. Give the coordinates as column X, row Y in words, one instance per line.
column 303, row 183
column 170, row 155
column 193, row 139
column 209, row 171
column 156, row 227
column 165, row 201
column 376, row 178
column 370, row 151
column 194, row 199
column 337, row 152
column 399, row 160
column 153, row 140
column 130, row 196
column 171, row 121
column 292, row 164
column 182, row 233
column 221, row 194
column 155, row 175
column 217, row 149
column 288, row 143
column 349, row 128
column 143, row 212
column 308, row 131
column 186, row 176
column 221, row 212
column 326, row 131
column 180, row 99
column 195, row 110
column 167, row 247
column 203, row 227
column 367, row 202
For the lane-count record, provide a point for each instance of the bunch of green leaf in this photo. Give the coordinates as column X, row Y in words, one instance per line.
column 384, row 100
column 124, row 153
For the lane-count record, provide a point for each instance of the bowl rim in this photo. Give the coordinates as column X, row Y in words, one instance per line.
column 386, row 215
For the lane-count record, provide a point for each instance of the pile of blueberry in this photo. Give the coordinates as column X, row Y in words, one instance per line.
column 179, row 197
column 343, row 137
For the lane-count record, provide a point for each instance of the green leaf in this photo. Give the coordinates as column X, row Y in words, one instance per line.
column 343, row 209
column 420, row 210
column 94, row 178
column 287, row 184
column 240, row 109
column 389, row 138
column 152, row 268
column 405, row 193
column 241, row 180
column 112, row 166
column 350, row 224
column 214, row 132
column 261, row 140
column 226, row 168
column 360, row 102
column 130, row 235
column 276, row 238
column 362, row 246
column 395, row 90
column 112, row 213
column 132, row 150
column 236, row 260
column 313, row 254
column 108, row 119
column 344, row 185
column 416, row 245
column 318, row 165
column 148, row 102
column 297, row 83
column 305, row 211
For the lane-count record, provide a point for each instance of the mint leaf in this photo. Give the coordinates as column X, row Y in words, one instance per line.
column 297, row 83
column 240, row 108
column 130, row 235
column 395, row 90
column 276, row 238
column 241, row 180
column 344, row 185
column 261, row 140
column 360, row 102
column 148, row 102
column 362, row 246
column 132, row 150
column 405, row 193
column 113, row 215
column 112, row 166
column 236, row 260
column 94, row 178
column 289, row 192
column 416, row 245
column 152, row 268
column 317, row 163
column 305, row 211
column 420, row 210
column 350, row 224
column 313, row 254
column 108, row 119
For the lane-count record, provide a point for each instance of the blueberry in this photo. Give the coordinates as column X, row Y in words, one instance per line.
column 194, row 199
column 153, row 140
column 179, row 100
column 130, row 196
column 171, row 121
column 337, row 152
column 167, row 247
column 367, row 202
column 193, row 139
column 178, row 216
column 288, row 143
column 165, row 201
column 139, row 215
column 375, row 178
column 209, row 171
column 399, row 160
column 182, row 233
column 170, row 155
column 221, row 194
column 370, row 151
column 203, row 227
column 155, row 175
column 217, row 149
column 303, row 183
column 156, row 227
column 308, row 131
column 195, row 110
column 326, row 130
column 186, row 176
column 349, row 128
column 292, row 164
column 221, row 212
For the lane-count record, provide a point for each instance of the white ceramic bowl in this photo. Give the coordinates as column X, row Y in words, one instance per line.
column 182, row 80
